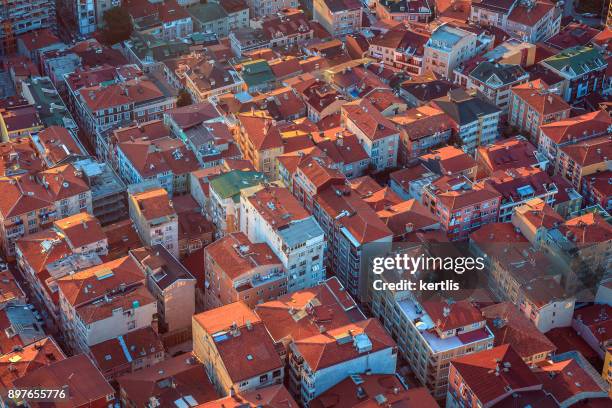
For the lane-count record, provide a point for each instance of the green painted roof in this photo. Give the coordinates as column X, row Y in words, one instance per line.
column 230, row 184
column 579, row 59
column 257, row 72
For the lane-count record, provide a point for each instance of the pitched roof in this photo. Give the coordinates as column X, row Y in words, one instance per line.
column 343, row 344
column 536, row 95
column 487, row 376
column 84, row 381
column 578, row 127
column 510, row 326
column 274, row 396
column 171, row 382
column 369, row 120
column 463, row 108
column 589, row 152
column 302, row 314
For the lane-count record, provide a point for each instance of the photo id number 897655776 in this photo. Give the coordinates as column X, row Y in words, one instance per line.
column 38, row 394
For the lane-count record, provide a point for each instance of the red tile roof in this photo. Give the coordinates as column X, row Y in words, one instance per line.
column 578, row 127
column 154, row 204
column 350, row 211
column 535, row 94
column 592, row 151
column 274, row 396
column 19, row 155
column 248, row 350
column 325, row 349
column 510, row 326
column 168, row 381
column 80, row 229
column 87, row 285
column 18, row 363
column 118, row 353
column 509, row 153
column 369, row 120
column 452, row 315
column 235, row 255
column 363, row 391
column 587, row 229
column 484, row 373
column 85, row 384
column 301, row 314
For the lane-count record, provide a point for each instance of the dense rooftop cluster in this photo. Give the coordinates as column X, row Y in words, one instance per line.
column 190, row 216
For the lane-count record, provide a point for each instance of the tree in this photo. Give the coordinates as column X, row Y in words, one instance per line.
column 183, row 98
column 118, row 25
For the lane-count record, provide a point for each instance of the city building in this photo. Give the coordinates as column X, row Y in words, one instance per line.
column 431, row 333
column 271, row 214
column 534, row 104
column 461, row 205
column 32, row 202
column 582, row 68
column 174, row 289
column 236, row 349
column 376, row 133
column 180, row 380
column 104, row 302
column 448, row 47
column 154, row 217
column 509, row 154
column 20, row 17
column 224, row 192
column 476, row 119
column 128, row 353
column 238, row 270
column 338, row 17
column 68, row 374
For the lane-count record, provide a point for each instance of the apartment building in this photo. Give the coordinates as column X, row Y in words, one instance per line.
column 224, row 192
column 476, row 119
column 431, row 333
column 555, row 135
column 22, row 16
column 583, row 69
column 260, row 141
column 71, row 244
column 579, row 161
column 531, row 21
column 524, row 276
column 494, row 81
column 312, row 175
column 424, row 128
column 236, row 349
column 273, row 215
column 450, row 161
column 174, row 289
column 534, row 218
column 510, row 326
column 208, row 78
column 166, row 161
column 509, row 154
column 104, row 302
column 596, row 190
column 377, row 134
column 500, row 368
column 400, row 48
column 327, row 318
column 338, row 17
column 128, row 353
column 534, row 104
column 263, row 8
column 101, row 108
column 518, row 186
column 316, row 362
column 354, row 232
column 154, row 217
column 236, row 269
column 448, row 47
column 32, row 202
column 404, row 10
column 461, row 205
